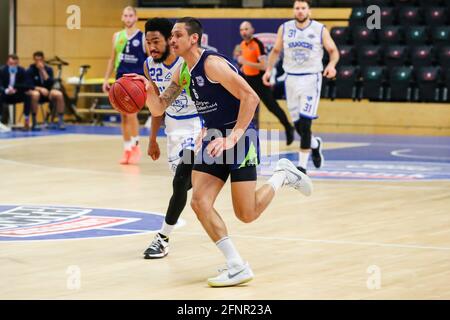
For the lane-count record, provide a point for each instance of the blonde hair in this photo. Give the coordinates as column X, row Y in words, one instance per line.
column 130, row 8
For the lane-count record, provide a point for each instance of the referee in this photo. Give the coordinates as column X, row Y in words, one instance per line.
column 253, row 66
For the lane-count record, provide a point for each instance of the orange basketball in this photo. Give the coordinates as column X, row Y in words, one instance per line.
column 127, row 95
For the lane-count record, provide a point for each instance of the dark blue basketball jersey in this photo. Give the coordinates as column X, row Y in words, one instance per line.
column 133, row 56
column 217, row 107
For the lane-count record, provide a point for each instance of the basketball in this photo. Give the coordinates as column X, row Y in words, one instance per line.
column 127, row 95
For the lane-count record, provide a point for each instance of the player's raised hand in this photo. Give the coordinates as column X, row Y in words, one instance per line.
column 153, row 150
column 266, row 78
column 135, row 76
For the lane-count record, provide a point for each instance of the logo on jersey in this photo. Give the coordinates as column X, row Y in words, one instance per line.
column 300, row 56
column 136, row 43
column 311, row 36
column 29, row 222
column 200, row 81
column 180, row 103
column 168, row 76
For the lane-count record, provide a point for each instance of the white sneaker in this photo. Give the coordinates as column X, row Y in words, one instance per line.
column 4, row 128
column 294, row 177
column 232, row 276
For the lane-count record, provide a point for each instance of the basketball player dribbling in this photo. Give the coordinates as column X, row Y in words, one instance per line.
column 183, row 126
column 302, row 40
column 226, row 104
column 127, row 56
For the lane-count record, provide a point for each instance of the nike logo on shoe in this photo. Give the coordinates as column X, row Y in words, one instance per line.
column 230, row 275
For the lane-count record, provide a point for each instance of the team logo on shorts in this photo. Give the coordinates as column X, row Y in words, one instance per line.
column 136, row 43
column 200, row 81
column 29, row 222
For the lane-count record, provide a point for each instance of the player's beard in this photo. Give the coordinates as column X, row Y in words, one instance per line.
column 302, row 21
column 164, row 55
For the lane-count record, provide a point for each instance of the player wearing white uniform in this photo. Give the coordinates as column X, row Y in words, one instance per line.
column 303, row 41
column 181, row 119
column 183, row 125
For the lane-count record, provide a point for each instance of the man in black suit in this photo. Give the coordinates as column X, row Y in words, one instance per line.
column 16, row 87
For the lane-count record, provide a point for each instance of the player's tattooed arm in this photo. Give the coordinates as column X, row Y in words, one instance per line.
column 171, row 93
column 158, row 103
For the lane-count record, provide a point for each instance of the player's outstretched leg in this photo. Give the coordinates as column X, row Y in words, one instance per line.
column 159, row 248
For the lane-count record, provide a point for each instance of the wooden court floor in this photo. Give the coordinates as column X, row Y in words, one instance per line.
column 350, row 240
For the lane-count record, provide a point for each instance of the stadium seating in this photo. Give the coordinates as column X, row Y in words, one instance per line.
column 440, row 36
column 346, row 86
column 428, row 83
column 444, row 57
column 347, row 55
column 395, row 56
column 422, row 56
column 412, row 47
column 373, row 83
column 400, row 84
column 369, row 55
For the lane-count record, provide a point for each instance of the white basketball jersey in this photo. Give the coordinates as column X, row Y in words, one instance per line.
column 183, row 107
column 303, row 48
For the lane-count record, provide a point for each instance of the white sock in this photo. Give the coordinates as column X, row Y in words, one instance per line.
column 276, row 181
column 135, row 141
column 166, row 229
column 314, row 143
column 303, row 158
column 127, row 145
column 229, row 251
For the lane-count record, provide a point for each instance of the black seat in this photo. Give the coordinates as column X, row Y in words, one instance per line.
column 391, row 35
column 400, row 84
column 369, row 55
column 358, row 16
column 436, row 16
column 409, row 16
column 363, row 36
column 416, row 35
column 444, row 57
column 422, row 56
column 440, row 36
column 340, row 35
column 373, row 82
column 446, row 85
column 388, row 16
column 345, row 86
column 428, row 83
column 395, row 56
column 347, row 55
